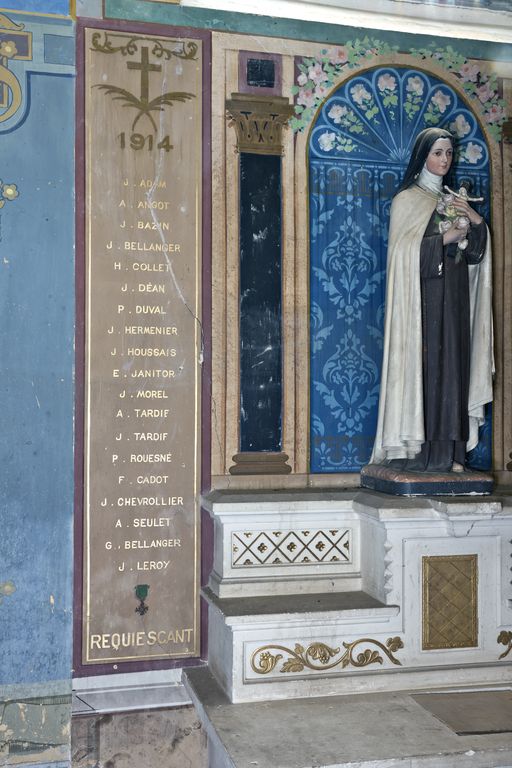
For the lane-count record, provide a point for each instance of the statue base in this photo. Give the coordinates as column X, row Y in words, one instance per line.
column 378, row 477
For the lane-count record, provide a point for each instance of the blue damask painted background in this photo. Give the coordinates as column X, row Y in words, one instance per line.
column 359, row 147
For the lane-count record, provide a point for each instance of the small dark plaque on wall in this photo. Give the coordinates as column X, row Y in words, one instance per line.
column 261, row 73
column 143, row 347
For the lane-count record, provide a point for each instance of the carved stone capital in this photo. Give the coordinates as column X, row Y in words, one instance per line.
column 259, row 122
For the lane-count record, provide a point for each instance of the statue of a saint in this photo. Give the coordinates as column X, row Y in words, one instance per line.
column 438, row 358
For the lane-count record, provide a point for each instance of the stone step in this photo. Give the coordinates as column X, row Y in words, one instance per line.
column 260, row 646
column 377, row 730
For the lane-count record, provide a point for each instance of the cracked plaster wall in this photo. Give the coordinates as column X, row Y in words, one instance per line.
column 36, row 398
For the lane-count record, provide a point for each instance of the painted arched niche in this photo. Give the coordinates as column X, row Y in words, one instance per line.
column 358, row 149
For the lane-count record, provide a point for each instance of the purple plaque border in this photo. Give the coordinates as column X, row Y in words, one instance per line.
column 206, row 554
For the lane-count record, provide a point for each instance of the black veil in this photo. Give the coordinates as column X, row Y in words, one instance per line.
column 422, row 146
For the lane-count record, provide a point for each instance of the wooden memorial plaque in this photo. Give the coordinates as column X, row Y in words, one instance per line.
column 143, row 346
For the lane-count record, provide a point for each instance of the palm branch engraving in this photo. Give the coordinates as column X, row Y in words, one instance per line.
column 144, row 106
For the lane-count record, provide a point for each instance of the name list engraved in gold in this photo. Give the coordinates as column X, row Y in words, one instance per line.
column 143, row 347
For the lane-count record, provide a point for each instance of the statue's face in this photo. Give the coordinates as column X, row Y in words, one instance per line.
column 440, row 156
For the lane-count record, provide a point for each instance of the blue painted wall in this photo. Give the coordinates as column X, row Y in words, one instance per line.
column 36, row 362
column 61, row 7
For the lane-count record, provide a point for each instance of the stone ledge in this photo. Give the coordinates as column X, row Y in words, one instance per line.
column 370, row 730
column 289, row 608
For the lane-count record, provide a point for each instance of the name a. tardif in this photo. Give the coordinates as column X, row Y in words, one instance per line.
column 152, row 544
column 150, row 458
column 134, row 245
column 149, row 501
column 117, row 640
column 151, row 330
column 151, row 413
column 150, row 352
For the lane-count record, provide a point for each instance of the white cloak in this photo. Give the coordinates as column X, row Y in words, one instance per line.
column 400, row 425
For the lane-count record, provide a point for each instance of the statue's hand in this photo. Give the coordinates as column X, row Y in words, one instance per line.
column 454, row 234
column 463, row 208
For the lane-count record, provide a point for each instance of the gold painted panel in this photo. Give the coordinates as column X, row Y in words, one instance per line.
column 450, row 602
column 143, row 346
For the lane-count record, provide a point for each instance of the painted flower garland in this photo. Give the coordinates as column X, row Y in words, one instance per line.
column 476, row 83
column 317, row 76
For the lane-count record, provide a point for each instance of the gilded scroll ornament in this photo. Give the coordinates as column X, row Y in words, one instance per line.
column 181, row 50
column 15, row 43
column 320, row 657
column 505, row 638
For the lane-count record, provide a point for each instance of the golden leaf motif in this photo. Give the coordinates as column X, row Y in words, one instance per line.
column 292, row 665
column 368, row 657
column 394, row 644
column 318, row 655
column 267, row 662
column 322, row 652
column 505, row 638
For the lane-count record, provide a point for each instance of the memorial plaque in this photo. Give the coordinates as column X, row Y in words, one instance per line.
column 143, row 346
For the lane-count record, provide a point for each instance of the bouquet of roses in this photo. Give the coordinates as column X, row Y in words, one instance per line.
column 449, row 214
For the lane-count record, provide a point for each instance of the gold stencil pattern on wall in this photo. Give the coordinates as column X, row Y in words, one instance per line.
column 319, row 657
column 450, row 602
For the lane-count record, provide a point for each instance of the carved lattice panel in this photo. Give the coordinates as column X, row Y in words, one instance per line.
column 450, row 602
column 300, row 547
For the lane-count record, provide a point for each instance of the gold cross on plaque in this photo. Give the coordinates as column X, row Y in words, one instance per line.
column 145, row 68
